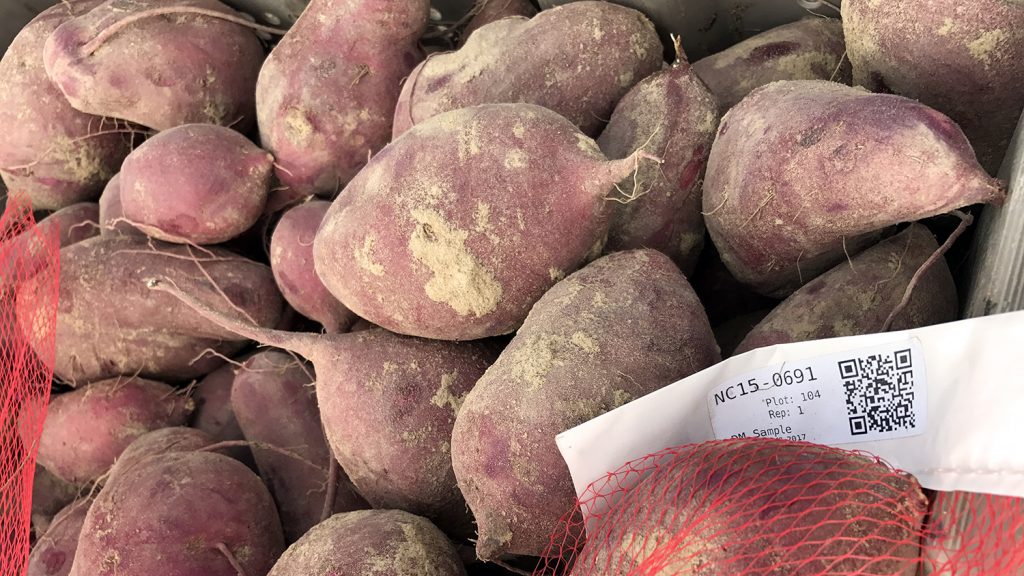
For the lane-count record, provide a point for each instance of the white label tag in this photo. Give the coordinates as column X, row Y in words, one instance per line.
column 973, row 403
column 875, row 393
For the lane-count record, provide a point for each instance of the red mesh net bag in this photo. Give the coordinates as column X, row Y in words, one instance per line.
column 769, row 507
column 26, row 371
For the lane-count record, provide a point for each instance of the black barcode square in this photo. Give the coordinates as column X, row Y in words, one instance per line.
column 879, row 392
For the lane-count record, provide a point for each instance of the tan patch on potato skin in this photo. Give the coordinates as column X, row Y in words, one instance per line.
column 459, row 280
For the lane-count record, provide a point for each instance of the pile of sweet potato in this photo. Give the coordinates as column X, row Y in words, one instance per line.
column 458, row 244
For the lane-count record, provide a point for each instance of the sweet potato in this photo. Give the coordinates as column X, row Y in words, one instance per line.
column 808, row 49
column 618, row 329
column 112, row 220
column 218, row 506
column 158, row 63
column 50, row 495
column 51, row 152
column 275, row 403
column 857, row 297
column 803, row 172
column 54, row 552
column 761, row 506
column 169, row 440
column 962, row 58
column 291, row 259
column 389, row 415
column 388, row 404
column 88, row 428
column 577, row 60
column 372, row 542
column 448, row 233
column 673, row 115
column 220, row 194
column 154, row 337
column 31, row 251
column 487, row 11
column 724, row 297
column 327, row 94
column 213, row 414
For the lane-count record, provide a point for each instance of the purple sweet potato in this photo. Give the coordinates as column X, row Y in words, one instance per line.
column 327, row 94
column 54, row 552
column 30, row 251
column 761, row 506
column 154, row 337
column 372, row 542
column 197, row 183
column 388, row 404
column 804, row 172
column 673, row 115
column 112, row 219
column 620, row 328
column 214, row 415
column 170, row 440
column 275, row 403
column 88, row 428
column 808, row 49
column 448, row 233
column 136, row 526
column 487, row 11
column 389, row 414
column 857, row 297
column 50, row 495
column 158, row 63
column 577, row 60
column 52, row 153
column 291, row 259
column 961, row 58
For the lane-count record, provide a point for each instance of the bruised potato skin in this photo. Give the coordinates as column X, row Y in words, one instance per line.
column 808, row 49
column 456, row 228
column 54, row 552
column 964, row 59
column 856, row 297
column 159, row 72
column 577, row 59
column 50, row 152
column 620, row 328
column 804, row 172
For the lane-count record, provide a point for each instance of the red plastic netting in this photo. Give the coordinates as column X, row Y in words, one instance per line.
column 25, row 372
column 772, row 508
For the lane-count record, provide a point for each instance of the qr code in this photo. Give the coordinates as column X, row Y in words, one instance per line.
column 879, row 392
